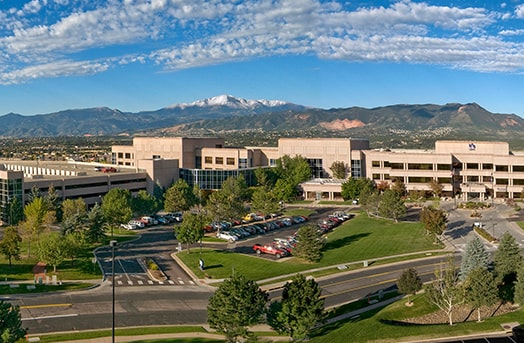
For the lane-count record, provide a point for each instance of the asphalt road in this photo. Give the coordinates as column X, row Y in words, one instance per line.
column 183, row 301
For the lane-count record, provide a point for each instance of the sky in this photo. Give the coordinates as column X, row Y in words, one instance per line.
column 145, row 55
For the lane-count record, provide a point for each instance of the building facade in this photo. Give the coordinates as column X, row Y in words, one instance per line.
column 466, row 170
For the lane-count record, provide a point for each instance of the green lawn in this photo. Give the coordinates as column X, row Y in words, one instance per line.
column 385, row 325
column 360, row 238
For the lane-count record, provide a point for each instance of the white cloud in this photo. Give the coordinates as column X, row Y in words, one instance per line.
column 519, row 11
column 177, row 34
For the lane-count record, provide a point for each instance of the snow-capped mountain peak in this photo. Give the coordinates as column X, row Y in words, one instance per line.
column 230, row 101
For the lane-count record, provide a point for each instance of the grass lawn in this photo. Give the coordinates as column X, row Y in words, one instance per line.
column 360, row 238
column 383, row 325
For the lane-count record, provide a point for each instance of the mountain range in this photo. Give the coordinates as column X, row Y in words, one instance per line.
column 387, row 126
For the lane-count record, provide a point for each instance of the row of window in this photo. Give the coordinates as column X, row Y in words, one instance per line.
column 446, row 166
column 230, row 161
column 447, row 180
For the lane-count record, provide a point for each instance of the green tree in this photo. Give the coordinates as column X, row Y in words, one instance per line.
column 434, row 221
column 15, row 211
column 291, row 171
column 352, row 188
column 54, row 201
column 518, row 297
column 190, row 230
column 309, row 244
column 73, row 243
column 300, row 310
column 116, row 206
column 264, row 200
column 10, row 323
column 74, row 215
column 507, row 259
column 145, row 203
column 370, row 201
column 399, row 187
column 480, row 289
column 265, row 177
column 391, row 205
column 95, row 224
column 444, row 291
column 339, row 169
column 37, row 216
column 476, row 256
column 52, row 249
column 409, row 283
column 179, row 197
column 228, row 202
column 236, row 304
column 10, row 244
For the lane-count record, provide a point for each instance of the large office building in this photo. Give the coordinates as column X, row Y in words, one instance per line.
column 466, row 170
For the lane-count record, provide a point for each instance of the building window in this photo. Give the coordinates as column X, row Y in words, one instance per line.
column 356, row 169
column 315, row 164
column 230, row 161
column 518, row 182
column 487, row 166
column 442, row 180
column 376, row 176
column 375, row 164
column 472, row 166
column 501, row 168
column 219, row 160
column 120, row 155
column 420, row 166
column 242, row 163
column 128, row 155
column 155, row 157
column 387, row 164
column 501, row 181
column 387, row 177
column 397, row 166
column 443, row 166
column 420, row 179
column 272, row 162
column 518, row 169
column 208, row 160
column 472, row 178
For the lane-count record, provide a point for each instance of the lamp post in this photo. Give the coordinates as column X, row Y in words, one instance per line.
column 113, row 244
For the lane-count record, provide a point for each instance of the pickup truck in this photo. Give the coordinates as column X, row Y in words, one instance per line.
column 270, row 249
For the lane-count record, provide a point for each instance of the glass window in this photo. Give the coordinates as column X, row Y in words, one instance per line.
column 230, row 161
column 356, row 168
column 208, row 159
column 472, row 166
column 219, row 160
column 501, row 168
column 375, row 163
column 376, row 176
column 397, row 165
column 518, row 169
column 487, row 166
column 443, row 166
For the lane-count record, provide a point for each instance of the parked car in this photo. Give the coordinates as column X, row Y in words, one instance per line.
column 227, row 235
column 128, row 226
column 137, row 223
column 270, row 249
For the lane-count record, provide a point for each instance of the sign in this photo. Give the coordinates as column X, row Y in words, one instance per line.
column 472, row 147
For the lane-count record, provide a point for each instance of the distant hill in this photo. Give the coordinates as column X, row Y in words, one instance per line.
column 106, row 121
column 261, row 122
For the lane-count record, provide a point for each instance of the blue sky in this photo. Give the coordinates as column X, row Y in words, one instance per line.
column 145, row 55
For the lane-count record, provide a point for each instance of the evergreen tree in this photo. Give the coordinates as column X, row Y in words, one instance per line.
column 237, row 304
column 10, row 244
column 409, row 283
column 519, row 286
column 480, row 289
column 10, row 323
column 95, row 224
column 145, row 203
column 300, row 310
column 54, row 201
column 16, row 211
column 507, row 259
column 476, row 256
column 309, row 244
column 228, row 202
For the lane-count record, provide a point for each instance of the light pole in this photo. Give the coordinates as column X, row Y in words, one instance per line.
column 113, row 244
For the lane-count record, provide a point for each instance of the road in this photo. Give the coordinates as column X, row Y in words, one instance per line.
column 183, row 301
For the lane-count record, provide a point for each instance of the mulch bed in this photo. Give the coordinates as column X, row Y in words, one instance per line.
column 462, row 313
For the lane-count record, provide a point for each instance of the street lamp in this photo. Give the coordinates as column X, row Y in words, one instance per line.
column 113, row 244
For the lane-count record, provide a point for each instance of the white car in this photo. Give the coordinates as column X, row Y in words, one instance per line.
column 128, row 226
column 228, row 236
column 137, row 223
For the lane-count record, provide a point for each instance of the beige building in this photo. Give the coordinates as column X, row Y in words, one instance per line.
column 466, row 170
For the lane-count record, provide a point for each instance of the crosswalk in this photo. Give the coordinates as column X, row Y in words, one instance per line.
column 127, row 281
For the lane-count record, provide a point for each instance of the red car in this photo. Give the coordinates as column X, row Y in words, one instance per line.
column 270, row 249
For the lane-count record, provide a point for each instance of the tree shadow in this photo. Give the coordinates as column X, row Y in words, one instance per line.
column 338, row 243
